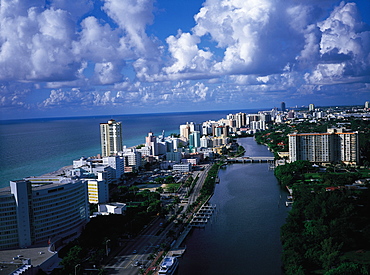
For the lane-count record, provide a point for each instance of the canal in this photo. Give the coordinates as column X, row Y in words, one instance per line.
column 243, row 236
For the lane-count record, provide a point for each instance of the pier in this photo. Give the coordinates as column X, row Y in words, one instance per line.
column 201, row 218
column 251, row 160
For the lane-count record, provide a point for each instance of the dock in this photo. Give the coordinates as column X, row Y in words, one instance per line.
column 201, row 218
column 176, row 252
column 288, row 203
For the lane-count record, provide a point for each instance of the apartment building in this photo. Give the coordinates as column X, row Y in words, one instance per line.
column 333, row 146
column 111, row 138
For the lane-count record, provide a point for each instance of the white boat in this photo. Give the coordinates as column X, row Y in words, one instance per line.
column 169, row 265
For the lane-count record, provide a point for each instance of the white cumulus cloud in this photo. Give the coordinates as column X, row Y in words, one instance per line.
column 105, row 53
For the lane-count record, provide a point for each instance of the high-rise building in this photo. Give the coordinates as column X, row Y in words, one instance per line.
column 111, row 138
column 311, row 107
column 194, row 139
column 283, row 108
column 41, row 210
column 241, row 120
column 185, row 130
column 151, row 141
column 266, row 117
column 207, row 127
column 206, row 142
column 367, row 104
column 333, row 146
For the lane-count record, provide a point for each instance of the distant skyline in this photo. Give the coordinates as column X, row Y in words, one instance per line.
column 82, row 58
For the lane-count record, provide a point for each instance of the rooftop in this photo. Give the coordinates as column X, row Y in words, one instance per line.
column 11, row 259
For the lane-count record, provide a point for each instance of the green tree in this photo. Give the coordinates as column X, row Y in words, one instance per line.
column 330, row 252
column 72, row 259
column 349, row 269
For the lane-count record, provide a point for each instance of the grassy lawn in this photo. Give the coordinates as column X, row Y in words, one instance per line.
column 172, row 187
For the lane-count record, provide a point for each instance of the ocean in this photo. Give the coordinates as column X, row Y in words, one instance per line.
column 33, row 147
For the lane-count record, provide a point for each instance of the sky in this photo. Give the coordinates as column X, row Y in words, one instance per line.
column 105, row 57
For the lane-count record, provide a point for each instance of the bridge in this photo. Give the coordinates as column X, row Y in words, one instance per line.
column 251, row 160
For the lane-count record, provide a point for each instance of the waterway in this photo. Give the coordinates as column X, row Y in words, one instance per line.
column 243, row 237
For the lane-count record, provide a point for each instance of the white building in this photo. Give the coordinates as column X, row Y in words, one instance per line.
column 132, row 158
column 41, row 210
column 111, row 138
column 113, row 167
column 112, row 208
column 151, row 142
column 145, row 151
column 117, row 163
column 185, row 167
column 206, row 142
column 258, row 125
column 162, row 147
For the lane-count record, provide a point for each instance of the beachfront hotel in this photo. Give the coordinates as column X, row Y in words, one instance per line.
column 42, row 210
column 111, row 138
column 334, row 146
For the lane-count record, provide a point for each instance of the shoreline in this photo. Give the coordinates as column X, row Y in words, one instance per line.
column 58, row 172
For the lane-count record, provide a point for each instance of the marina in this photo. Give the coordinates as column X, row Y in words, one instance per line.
column 201, row 218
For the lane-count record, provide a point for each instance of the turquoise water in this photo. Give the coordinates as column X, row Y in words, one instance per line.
column 33, row 147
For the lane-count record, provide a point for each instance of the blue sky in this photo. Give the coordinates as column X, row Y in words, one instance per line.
column 81, row 58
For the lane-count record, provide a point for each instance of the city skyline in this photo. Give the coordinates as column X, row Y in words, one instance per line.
column 63, row 58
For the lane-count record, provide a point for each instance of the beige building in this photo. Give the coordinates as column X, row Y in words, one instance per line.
column 333, row 146
column 111, row 138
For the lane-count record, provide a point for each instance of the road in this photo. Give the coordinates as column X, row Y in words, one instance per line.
column 202, row 177
column 135, row 254
column 137, row 250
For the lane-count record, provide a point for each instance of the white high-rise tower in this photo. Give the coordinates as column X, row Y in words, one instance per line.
column 111, row 138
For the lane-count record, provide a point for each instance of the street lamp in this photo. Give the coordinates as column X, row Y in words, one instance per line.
column 76, row 268
column 106, row 246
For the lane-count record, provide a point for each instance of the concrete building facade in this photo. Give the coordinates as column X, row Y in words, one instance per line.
column 111, row 138
column 325, row 147
column 41, row 210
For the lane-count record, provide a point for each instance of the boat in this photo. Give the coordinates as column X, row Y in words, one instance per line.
column 169, row 265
